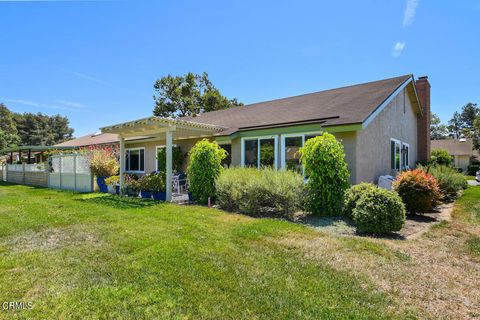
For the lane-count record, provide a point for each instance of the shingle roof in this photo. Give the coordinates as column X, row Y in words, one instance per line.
column 90, row 139
column 454, row 147
column 341, row 106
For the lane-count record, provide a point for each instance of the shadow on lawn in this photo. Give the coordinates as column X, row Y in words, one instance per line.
column 117, row 202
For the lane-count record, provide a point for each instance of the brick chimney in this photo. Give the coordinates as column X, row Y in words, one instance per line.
column 423, row 123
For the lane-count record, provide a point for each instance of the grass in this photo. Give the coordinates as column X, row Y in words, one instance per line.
column 97, row 256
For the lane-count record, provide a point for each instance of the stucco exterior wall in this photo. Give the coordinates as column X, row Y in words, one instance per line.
column 398, row 121
column 349, row 142
column 151, row 153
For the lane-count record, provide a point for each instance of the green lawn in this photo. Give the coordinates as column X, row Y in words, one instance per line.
column 87, row 257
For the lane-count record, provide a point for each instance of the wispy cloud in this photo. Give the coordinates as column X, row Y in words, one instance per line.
column 90, row 78
column 72, row 104
column 410, row 11
column 58, row 105
column 397, row 49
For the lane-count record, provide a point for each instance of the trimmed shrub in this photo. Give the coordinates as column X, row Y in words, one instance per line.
column 323, row 160
column 472, row 169
column 259, row 192
column 450, row 181
column 419, row 190
column 379, row 211
column 204, row 167
column 352, row 196
column 441, row 157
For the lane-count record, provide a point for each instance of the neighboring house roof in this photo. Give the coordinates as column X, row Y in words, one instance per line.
column 91, row 139
column 454, row 147
column 342, row 106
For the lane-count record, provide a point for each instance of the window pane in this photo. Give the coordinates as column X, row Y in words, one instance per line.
column 406, row 156
column 267, row 152
column 397, row 155
column 142, row 160
column 251, row 153
column 228, row 159
column 308, row 137
column 134, row 157
column 127, row 160
column 392, row 154
column 292, row 158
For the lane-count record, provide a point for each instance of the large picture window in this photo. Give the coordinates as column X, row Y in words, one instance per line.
column 135, row 160
column 259, row 152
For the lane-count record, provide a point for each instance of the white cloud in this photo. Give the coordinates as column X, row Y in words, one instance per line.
column 410, row 11
column 397, row 49
column 72, row 104
column 35, row 104
column 90, row 78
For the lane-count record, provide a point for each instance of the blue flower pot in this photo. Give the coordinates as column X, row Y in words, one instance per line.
column 101, row 184
column 190, row 197
column 146, row 194
column 117, row 189
column 159, row 196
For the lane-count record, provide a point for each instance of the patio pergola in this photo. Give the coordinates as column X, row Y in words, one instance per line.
column 158, row 127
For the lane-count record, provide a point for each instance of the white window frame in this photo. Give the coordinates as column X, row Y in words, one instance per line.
column 400, row 144
column 283, row 151
column 144, row 155
column 404, row 165
column 258, row 138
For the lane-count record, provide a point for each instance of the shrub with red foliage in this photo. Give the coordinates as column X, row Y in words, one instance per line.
column 419, row 190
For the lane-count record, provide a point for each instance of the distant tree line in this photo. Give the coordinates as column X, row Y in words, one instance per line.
column 464, row 124
column 32, row 128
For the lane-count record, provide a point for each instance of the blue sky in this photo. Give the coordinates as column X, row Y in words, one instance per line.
column 96, row 61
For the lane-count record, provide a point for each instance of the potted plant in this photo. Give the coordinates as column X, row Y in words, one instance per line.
column 103, row 164
column 113, row 184
column 144, row 186
column 157, row 186
column 131, row 186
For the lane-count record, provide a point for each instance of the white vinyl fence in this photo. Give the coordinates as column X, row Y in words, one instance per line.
column 70, row 172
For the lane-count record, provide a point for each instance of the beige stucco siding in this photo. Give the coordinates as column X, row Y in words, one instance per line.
column 349, row 142
column 151, row 153
column 398, row 121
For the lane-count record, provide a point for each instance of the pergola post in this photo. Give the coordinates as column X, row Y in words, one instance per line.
column 168, row 182
column 122, row 163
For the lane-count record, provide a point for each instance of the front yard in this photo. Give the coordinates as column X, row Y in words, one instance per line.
column 97, row 256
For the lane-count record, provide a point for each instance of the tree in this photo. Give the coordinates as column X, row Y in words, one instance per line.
column 463, row 123
column 454, row 125
column 188, row 95
column 8, row 129
column 438, row 130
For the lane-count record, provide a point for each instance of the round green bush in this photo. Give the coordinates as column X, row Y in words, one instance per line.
column 379, row 211
column 323, row 160
column 352, row 196
column 204, row 167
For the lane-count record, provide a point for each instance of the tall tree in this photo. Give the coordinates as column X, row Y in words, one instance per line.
column 438, row 130
column 188, row 95
column 8, row 129
column 40, row 129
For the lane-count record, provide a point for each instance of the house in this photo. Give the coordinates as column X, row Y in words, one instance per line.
column 383, row 125
column 461, row 150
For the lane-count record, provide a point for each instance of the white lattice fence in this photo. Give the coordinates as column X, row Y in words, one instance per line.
column 70, row 172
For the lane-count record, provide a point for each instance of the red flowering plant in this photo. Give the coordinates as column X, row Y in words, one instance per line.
column 103, row 160
column 419, row 190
